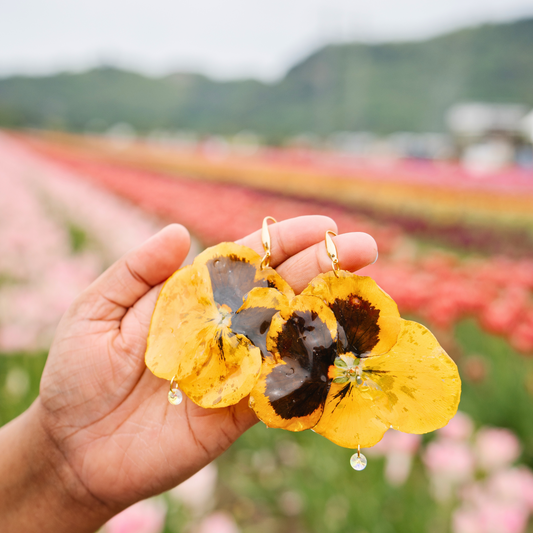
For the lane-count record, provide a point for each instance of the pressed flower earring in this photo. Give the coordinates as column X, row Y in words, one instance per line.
column 208, row 329
column 344, row 363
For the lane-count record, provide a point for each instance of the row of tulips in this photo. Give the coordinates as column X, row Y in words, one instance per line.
column 57, row 233
column 432, row 192
column 443, row 290
column 440, row 288
column 359, row 185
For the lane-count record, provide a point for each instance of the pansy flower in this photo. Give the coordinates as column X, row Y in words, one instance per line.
column 209, row 326
column 344, row 363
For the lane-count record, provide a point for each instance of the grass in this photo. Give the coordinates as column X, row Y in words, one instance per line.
column 20, row 375
column 78, row 238
column 505, row 397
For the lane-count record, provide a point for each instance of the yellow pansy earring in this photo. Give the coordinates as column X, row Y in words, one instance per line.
column 341, row 361
column 208, row 330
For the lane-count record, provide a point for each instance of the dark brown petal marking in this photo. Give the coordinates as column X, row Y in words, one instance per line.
column 272, row 284
column 299, row 387
column 358, row 324
column 220, row 344
column 342, row 394
column 231, row 278
column 254, row 323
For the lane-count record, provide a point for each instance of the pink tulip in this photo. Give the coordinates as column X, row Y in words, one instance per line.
column 494, row 517
column 147, row 516
column 499, row 517
column 513, row 485
column 198, row 491
column 459, row 428
column 218, row 522
column 16, row 337
column 396, row 442
column 398, row 467
column 449, row 460
column 467, row 521
column 496, row 448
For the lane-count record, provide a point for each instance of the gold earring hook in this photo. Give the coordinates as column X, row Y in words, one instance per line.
column 331, row 249
column 265, row 237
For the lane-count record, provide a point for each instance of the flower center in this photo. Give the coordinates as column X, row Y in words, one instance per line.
column 348, row 368
column 225, row 313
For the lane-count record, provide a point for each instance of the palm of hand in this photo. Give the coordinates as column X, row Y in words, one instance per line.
column 107, row 413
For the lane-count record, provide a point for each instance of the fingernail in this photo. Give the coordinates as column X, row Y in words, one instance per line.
column 377, row 255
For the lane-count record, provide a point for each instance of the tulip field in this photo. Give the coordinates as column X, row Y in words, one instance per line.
column 456, row 253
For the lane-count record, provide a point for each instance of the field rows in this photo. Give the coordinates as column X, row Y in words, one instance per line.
column 65, row 216
column 441, row 288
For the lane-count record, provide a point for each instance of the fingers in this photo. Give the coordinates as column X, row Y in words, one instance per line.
column 137, row 272
column 297, row 249
column 355, row 250
column 291, row 236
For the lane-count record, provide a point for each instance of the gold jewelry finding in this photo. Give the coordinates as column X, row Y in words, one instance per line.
column 332, row 251
column 265, row 237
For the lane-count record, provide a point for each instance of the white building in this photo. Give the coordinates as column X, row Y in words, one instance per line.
column 491, row 136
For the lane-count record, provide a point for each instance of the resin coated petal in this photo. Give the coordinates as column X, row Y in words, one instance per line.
column 414, row 388
column 235, row 270
column 184, row 318
column 293, row 385
column 191, row 334
column 367, row 315
column 228, row 375
column 353, row 416
column 254, row 317
column 420, row 380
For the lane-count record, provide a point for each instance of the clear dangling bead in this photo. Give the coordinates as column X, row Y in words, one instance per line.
column 358, row 460
column 175, row 396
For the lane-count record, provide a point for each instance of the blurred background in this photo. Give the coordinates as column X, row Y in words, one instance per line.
column 412, row 121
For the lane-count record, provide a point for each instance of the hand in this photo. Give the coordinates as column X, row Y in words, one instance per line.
column 110, row 435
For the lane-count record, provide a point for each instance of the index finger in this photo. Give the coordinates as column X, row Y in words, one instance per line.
column 291, row 236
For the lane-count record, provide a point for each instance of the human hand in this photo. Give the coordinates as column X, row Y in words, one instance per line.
column 104, row 417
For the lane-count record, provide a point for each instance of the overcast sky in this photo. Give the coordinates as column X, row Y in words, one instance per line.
column 222, row 38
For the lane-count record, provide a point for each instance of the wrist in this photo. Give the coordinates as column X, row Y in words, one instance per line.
column 39, row 490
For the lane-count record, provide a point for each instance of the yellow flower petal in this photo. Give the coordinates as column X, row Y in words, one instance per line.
column 414, row 388
column 190, row 334
column 352, row 416
column 366, row 314
column 184, row 318
column 293, row 385
column 255, row 315
column 420, row 380
column 228, row 375
column 235, row 270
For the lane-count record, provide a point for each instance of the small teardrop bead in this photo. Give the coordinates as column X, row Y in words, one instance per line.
column 175, row 396
column 358, row 461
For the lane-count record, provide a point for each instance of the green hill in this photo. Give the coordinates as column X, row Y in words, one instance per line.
column 382, row 87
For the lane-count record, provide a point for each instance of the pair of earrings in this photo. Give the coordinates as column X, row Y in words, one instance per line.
column 337, row 358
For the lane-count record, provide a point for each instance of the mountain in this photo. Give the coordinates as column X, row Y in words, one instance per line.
column 404, row 86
